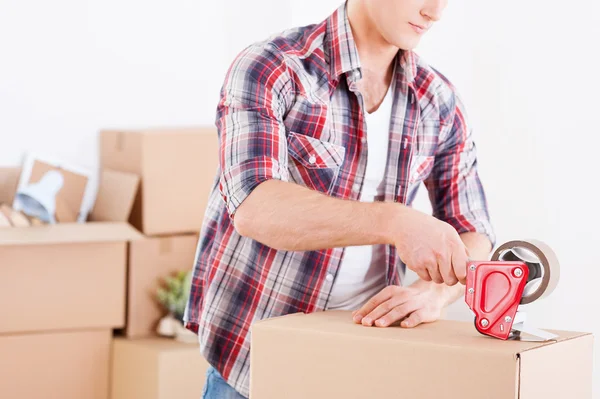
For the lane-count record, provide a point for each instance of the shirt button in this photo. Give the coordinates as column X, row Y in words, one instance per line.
column 363, row 140
column 356, row 188
column 329, row 277
column 227, row 103
column 312, row 159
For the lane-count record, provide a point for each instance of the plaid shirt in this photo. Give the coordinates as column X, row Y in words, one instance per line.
column 290, row 110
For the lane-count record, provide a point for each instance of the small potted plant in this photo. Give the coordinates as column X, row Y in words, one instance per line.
column 173, row 297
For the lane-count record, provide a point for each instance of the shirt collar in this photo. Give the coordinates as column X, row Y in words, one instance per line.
column 340, row 46
column 407, row 65
column 342, row 55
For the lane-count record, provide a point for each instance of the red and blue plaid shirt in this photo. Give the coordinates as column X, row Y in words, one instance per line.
column 289, row 111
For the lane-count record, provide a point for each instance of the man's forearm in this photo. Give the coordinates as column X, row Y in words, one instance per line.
column 290, row 217
column 478, row 245
column 479, row 248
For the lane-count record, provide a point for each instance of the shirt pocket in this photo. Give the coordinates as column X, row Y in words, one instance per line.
column 314, row 163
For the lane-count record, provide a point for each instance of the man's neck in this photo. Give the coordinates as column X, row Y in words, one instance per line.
column 376, row 55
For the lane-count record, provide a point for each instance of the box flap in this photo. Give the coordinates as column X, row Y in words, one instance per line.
column 451, row 333
column 9, row 179
column 116, row 194
column 64, row 233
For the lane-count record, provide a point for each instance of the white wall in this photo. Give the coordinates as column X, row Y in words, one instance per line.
column 71, row 67
column 527, row 70
column 531, row 85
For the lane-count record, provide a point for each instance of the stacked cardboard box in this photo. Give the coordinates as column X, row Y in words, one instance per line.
column 62, row 364
column 177, row 170
column 155, row 368
column 62, row 292
column 66, row 289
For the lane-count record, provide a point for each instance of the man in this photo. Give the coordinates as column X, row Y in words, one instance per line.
column 326, row 132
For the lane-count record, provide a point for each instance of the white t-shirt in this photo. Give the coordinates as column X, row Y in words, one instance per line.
column 362, row 271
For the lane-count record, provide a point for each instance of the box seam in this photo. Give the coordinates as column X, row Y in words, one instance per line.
column 519, row 366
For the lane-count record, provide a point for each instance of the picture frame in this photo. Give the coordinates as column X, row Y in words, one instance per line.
column 75, row 199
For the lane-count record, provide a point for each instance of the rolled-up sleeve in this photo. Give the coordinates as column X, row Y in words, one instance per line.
column 252, row 136
column 455, row 188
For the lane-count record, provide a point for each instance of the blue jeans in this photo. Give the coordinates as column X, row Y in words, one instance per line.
column 215, row 387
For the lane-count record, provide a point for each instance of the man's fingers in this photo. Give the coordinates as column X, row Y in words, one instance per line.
column 423, row 274
column 397, row 313
column 413, row 320
column 434, row 272
column 420, row 268
column 459, row 264
column 447, row 271
column 372, row 303
column 384, row 308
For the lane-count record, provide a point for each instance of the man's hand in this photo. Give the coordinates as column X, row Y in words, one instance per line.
column 421, row 302
column 430, row 247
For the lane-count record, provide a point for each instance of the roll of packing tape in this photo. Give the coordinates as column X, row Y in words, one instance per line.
column 544, row 270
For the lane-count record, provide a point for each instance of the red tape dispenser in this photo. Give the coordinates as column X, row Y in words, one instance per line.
column 519, row 273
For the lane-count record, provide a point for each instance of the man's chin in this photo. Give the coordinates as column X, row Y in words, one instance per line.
column 407, row 45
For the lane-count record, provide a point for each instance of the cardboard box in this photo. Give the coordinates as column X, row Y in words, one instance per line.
column 65, row 365
column 326, row 355
column 177, row 169
column 64, row 276
column 156, row 368
column 150, row 261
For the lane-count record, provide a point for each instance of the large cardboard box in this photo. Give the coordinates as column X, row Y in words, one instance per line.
column 177, row 169
column 150, row 261
column 63, row 276
column 326, row 355
column 156, row 368
column 66, row 275
column 65, row 365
